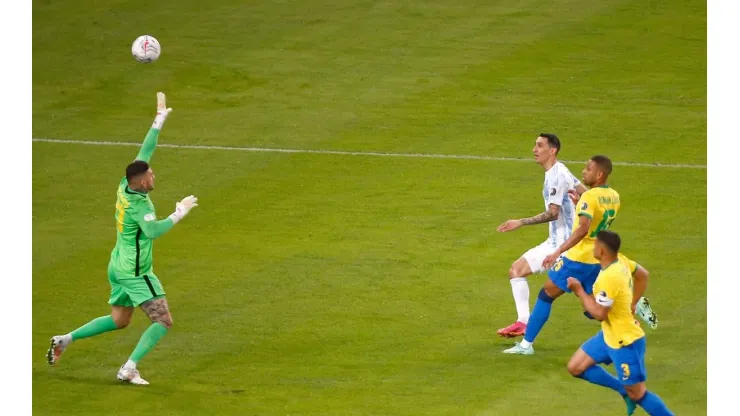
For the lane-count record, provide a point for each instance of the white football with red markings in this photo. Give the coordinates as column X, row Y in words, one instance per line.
column 146, row 49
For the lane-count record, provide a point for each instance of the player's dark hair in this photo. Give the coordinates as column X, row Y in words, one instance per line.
column 135, row 169
column 552, row 140
column 610, row 239
column 605, row 164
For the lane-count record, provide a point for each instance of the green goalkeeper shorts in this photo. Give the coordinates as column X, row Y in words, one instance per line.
column 133, row 291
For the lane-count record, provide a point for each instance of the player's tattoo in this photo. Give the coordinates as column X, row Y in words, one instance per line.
column 158, row 311
column 546, row 216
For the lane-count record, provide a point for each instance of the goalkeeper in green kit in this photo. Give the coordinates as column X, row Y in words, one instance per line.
column 130, row 273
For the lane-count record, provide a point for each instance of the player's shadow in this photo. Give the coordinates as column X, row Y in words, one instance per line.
column 83, row 379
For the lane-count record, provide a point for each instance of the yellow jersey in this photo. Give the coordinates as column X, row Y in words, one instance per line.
column 613, row 288
column 629, row 264
column 601, row 204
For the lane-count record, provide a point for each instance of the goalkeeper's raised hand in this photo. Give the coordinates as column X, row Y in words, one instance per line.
column 183, row 207
column 162, row 111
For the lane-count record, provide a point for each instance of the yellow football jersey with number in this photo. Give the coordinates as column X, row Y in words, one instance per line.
column 613, row 288
column 601, row 204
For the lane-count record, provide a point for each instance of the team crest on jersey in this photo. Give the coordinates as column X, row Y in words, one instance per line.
column 150, row 217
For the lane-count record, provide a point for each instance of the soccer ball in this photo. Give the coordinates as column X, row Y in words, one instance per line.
column 145, row 49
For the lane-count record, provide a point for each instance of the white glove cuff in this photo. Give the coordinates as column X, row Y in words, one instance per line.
column 175, row 217
column 159, row 121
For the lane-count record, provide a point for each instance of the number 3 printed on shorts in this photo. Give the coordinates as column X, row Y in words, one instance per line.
column 625, row 371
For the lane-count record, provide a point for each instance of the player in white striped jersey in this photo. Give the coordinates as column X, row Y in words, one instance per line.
column 558, row 213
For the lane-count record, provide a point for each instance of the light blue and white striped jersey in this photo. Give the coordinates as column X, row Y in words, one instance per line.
column 558, row 180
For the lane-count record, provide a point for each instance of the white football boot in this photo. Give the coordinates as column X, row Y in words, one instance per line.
column 131, row 375
column 59, row 343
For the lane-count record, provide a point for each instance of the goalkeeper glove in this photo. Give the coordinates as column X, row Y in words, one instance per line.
column 183, row 207
column 162, row 111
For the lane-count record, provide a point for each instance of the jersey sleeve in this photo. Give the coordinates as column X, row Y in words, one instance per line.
column 557, row 190
column 587, row 205
column 576, row 182
column 150, row 143
column 605, row 290
column 631, row 265
column 145, row 217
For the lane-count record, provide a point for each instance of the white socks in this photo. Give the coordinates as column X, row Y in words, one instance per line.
column 67, row 339
column 130, row 365
column 525, row 344
column 520, row 289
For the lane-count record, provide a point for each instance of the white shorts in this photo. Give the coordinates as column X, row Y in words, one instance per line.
column 535, row 256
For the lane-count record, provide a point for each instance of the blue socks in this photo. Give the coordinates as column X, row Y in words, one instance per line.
column 654, row 405
column 540, row 315
column 596, row 374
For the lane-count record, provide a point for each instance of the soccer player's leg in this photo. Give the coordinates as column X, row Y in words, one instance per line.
column 585, row 362
column 147, row 292
column 530, row 262
column 630, row 364
column 540, row 315
column 554, row 287
column 121, row 311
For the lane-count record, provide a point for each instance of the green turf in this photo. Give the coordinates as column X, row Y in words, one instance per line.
column 310, row 284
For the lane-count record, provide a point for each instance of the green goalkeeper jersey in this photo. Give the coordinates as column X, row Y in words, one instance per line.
column 136, row 224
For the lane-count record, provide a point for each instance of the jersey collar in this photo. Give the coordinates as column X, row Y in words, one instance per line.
column 131, row 191
column 611, row 264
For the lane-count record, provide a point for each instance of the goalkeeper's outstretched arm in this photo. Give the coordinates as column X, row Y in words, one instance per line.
column 150, row 141
column 152, row 228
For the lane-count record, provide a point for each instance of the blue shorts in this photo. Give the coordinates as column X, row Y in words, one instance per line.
column 565, row 268
column 629, row 361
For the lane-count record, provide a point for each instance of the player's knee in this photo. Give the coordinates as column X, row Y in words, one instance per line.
column 636, row 392
column 520, row 268
column 121, row 321
column 552, row 292
column 164, row 320
column 513, row 272
column 544, row 296
column 574, row 369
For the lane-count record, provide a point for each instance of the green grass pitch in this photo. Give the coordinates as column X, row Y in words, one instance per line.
column 324, row 284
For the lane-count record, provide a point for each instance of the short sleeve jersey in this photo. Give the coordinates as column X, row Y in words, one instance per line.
column 613, row 289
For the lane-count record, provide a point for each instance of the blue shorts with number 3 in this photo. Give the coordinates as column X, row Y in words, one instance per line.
column 565, row 268
column 629, row 361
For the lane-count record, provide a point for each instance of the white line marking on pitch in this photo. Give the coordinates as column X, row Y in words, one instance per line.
column 350, row 153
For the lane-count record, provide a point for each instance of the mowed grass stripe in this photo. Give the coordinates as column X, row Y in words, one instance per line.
column 355, row 153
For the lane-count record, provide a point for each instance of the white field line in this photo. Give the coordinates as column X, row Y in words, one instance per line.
column 350, row 153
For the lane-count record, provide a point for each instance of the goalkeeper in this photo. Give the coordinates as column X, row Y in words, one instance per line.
column 130, row 273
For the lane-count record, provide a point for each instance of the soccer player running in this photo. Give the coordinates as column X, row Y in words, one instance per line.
column 621, row 340
column 558, row 213
column 130, row 273
column 640, row 304
column 596, row 210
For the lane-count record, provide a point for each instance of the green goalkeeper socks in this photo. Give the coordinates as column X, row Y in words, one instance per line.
column 95, row 327
column 148, row 340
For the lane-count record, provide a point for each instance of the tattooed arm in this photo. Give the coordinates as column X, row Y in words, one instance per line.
column 550, row 215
